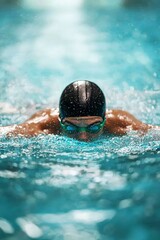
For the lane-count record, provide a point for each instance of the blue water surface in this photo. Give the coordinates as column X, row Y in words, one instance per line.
column 57, row 188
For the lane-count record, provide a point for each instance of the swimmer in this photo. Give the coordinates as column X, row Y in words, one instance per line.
column 82, row 115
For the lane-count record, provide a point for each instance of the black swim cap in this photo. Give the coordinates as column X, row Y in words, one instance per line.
column 82, row 98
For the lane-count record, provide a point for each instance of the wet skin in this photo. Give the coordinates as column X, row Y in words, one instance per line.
column 118, row 122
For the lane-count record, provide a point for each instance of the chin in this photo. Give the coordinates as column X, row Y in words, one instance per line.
column 86, row 139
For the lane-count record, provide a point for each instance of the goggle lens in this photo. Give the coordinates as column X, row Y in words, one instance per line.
column 93, row 128
column 70, row 128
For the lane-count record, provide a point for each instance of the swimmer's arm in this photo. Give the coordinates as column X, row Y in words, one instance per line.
column 39, row 116
column 42, row 122
column 121, row 122
column 20, row 129
column 30, row 127
column 46, row 121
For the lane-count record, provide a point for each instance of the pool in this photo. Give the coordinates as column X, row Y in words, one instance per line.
column 53, row 187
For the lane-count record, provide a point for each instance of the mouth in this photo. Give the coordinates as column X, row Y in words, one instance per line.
column 89, row 139
column 84, row 140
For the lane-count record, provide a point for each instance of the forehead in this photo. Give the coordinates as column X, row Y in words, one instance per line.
column 87, row 119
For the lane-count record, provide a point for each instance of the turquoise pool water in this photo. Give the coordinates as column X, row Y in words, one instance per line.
column 53, row 187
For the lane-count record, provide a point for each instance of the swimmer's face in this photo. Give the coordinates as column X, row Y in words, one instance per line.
column 83, row 128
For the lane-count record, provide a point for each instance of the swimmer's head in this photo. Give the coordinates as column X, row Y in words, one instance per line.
column 82, row 98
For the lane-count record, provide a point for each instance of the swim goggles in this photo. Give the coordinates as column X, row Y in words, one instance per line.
column 92, row 128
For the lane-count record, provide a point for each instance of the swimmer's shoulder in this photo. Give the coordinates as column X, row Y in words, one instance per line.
column 120, row 116
column 44, row 121
column 44, row 114
column 114, row 122
column 120, row 122
column 111, row 113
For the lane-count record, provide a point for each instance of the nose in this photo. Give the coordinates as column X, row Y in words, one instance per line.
column 83, row 136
